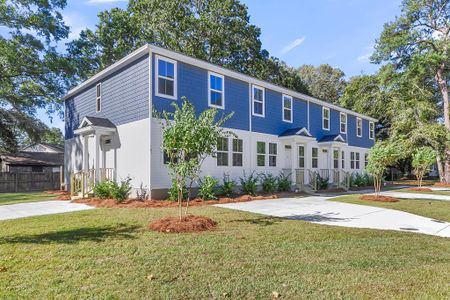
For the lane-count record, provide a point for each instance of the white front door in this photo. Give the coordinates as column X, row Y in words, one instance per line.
column 287, row 158
column 324, row 157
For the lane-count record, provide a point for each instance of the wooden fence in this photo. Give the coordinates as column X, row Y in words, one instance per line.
column 29, row 182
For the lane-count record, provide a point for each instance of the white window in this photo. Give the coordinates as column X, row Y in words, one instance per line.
column 301, row 157
column 315, row 158
column 273, row 154
column 258, row 101
column 325, row 118
column 98, row 97
column 222, row 152
column 343, row 159
column 366, row 159
column 336, row 159
column 343, row 117
column 352, row 160
column 216, row 96
column 237, row 152
column 372, row 130
column 287, row 108
column 260, row 154
column 357, row 160
column 359, row 127
column 166, row 85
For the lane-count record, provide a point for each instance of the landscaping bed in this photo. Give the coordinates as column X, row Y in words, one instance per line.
column 186, row 224
column 378, row 198
column 60, row 195
column 420, row 189
column 131, row 203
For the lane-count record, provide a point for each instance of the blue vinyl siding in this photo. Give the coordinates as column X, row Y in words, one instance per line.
column 354, row 140
column 193, row 84
column 125, row 96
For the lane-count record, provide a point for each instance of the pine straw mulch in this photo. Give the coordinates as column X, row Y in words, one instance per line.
column 442, row 184
column 188, row 223
column 378, row 198
column 131, row 203
column 420, row 189
column 61, row 195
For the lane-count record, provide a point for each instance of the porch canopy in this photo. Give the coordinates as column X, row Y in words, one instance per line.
column 101, row 129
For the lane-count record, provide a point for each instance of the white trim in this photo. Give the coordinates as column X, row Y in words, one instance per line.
column 357, row 126
column 339, row 138
column 340, row 122
column 150, row 114
column 283, row 96
column 217, row 91
column 304, row 130
column 175, row 77
column 208, row 66
column 263, row 101
column 323, row 118
column 371, row 130
column 98, row 98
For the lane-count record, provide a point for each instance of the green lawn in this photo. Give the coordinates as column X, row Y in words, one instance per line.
column 13, row 198
column 109, row 253
column 445, row 193
column 428, row 208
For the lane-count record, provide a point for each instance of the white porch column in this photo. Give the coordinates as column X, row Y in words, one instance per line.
column 85, row 152
column 294, row 151
column 97, row 157
column 308, row 163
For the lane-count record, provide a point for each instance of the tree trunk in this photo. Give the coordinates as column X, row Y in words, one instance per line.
column 442, row 83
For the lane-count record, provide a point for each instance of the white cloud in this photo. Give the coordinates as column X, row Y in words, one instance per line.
column 103, row 1
column 328, row 57
column 76, row 24
column 365, row 58
column 294, row 44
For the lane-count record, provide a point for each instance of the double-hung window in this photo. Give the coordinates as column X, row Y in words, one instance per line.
column 98, row 97
column 273, row 154
column 366, row 159
column 343, row 118
column 343, row 159
column 315, row 158
column 352, row 160
column 359, row 127
column 166, row 70
column 325, row 118
column 287, row 108
column 372, row 130
column 336, row 159
column 357, row 160
column 222, row 152
column 237, row 152
column 258, row 101
column 260, row 154
column 216, row 97
column 301, row 157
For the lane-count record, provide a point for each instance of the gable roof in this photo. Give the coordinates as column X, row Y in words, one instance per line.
column 96, row 121
column 299, row 131
column 33, row 159
column 332, row 138
column 146, row 49
column 43, row 147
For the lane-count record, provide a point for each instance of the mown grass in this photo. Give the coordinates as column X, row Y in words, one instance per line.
column 406, row 190
column 428, row 208
column 13, row 198
column 109, row 253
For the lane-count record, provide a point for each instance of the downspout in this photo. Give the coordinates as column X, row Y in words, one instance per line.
column 150, row 112
column 250, row 124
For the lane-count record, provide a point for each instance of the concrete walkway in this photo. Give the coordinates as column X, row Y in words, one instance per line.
column 21, row 210
column 417, row 196
column 322, row 211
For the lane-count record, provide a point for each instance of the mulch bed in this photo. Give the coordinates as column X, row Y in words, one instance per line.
column 186, row 224
column 62, row 195
column 111, row 203
column 442, row 184
column 420, row 189
column 378, row 198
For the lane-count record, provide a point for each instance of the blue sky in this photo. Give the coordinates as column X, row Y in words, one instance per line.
column 338, row 32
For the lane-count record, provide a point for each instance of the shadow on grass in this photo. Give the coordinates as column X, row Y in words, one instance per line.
column 263, row 221
column 318, row 217
column 96, row 234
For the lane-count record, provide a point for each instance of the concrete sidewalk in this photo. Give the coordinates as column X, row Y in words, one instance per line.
column 22, row 210
column 321, row 210
column 417, row 196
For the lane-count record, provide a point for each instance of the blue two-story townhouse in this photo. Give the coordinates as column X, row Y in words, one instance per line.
column 110, row 131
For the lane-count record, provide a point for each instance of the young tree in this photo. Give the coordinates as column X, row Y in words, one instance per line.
column 381, row 156
column 187, row 140
column 423, row 158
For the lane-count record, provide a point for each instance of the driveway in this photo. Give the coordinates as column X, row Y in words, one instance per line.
column 417, row 196
column 21, row 210
column 320, row 210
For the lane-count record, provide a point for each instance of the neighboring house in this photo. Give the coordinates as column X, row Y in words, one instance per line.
column 109, row 125
column 38, row 157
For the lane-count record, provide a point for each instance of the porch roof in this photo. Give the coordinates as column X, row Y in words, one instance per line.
column 299, row 131
column 333, row 138
column 94, row 124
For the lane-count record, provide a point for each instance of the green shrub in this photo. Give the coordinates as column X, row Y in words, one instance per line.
column 268, row 183
column 207, row 188
column 120, row 192
column 360, row 180
column 284, row 184
column 249, row 184
column 227, row 188
column 173, row 192
column 103, row 189
column 322, row 182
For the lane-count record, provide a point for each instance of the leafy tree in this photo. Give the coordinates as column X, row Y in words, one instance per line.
column 381, row 156
column 218, row 31
column 423, row 158
column 187, row 140
column 323, row 82
column 419, row 41
column 32, row 72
